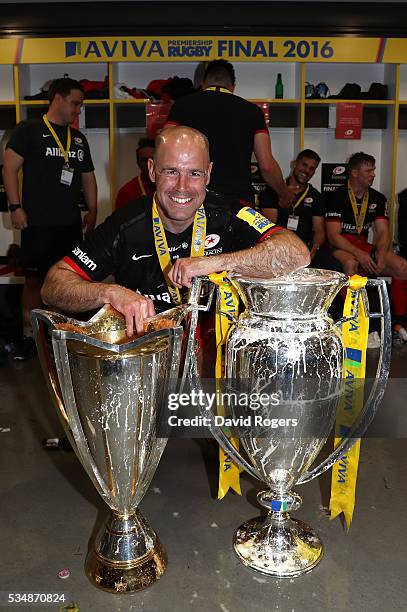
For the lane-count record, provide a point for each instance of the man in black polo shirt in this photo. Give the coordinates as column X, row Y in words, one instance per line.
column 154, row 247
column 56, row 164
column 306, row 214
column 235, row 128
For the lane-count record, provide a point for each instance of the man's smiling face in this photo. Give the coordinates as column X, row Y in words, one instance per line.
column 181, row 171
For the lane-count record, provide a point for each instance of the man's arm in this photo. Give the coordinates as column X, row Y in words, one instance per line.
column 269, row 168
column 12, row 164
column 318, row 234
column 333, row 231
column 90, row 193
column 280, row 254
column 65, row 289
column 270, row 213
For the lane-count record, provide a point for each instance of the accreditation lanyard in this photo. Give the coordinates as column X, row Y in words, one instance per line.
column 161, row 245
column 141, row 185
column 359, row 215
column 292, row 222
column 65, row 152
column 300, row 199
column 217, row 88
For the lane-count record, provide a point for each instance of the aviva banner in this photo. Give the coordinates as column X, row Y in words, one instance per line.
column 194, row 48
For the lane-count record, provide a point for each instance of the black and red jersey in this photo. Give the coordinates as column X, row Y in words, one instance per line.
column 339, row 209
column 123, row 246
column 230, row 124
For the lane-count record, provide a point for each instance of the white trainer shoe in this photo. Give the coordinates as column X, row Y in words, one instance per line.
column 373, row 340
column 402, row 333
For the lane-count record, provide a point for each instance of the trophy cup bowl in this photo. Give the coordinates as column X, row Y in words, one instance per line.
column 286, row 346
column 110, row 393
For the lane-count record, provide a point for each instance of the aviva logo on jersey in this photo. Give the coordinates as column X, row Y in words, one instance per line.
column 254, row 219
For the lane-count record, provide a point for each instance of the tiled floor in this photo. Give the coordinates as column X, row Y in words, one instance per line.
column 49, row 511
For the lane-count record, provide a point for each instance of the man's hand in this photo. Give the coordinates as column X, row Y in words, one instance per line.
column 184, row 270
column 89, row 222
column 366, row 262
column 380, row 261
column 287, row 200
column 135, row 307
column 19, row 219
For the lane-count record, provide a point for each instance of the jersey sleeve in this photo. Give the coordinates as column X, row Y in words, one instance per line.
column 250, row 227
column 318, row 204
column 259, row 121
column 87, row 162
column 21, row 139
column 382, row 208
column 97, row 256
column 268, row 198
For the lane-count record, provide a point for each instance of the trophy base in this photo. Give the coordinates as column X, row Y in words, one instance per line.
column 285, row 548
column 127, row 556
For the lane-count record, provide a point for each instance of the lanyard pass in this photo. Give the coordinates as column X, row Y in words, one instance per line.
column 66, row 175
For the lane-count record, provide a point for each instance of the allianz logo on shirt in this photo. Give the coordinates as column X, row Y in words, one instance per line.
column 56, row 152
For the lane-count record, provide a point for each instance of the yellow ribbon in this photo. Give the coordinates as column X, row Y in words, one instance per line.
column 228, row 302
column 161, row 245
column 218, row 88
column 359, row 216
column 354, row 335
column 65, row 152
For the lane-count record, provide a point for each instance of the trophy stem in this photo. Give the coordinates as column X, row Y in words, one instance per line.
column 278, row 545
column 126, row 556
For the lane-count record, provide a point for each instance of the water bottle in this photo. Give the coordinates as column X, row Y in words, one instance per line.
column 279, row 87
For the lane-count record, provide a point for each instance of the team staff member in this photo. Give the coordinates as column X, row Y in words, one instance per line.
column 154, row 249
column 56, row 164
column 140, row 185
column 306, row 214
column 235, row 128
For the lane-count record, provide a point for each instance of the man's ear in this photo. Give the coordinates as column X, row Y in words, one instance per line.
column 208, row 174
column 151, row 169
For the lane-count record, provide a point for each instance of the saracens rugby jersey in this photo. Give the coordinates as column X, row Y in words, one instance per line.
column 124, row 246
column 339, row 209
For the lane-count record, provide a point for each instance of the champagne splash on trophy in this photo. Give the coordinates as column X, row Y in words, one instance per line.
column 286, row 347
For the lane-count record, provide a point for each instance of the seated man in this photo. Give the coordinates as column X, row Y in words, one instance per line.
column 139, row 185
column 306, row 214
column 399, row 287
column 155, row 249
column 354, row 210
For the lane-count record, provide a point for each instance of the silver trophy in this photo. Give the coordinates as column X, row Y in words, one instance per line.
column 109, row 392
column 286, row 347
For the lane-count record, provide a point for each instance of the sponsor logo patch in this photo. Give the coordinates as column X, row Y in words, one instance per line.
column 255, row 219
column 85, row 259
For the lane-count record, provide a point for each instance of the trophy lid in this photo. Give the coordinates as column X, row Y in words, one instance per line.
column 307, row 292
